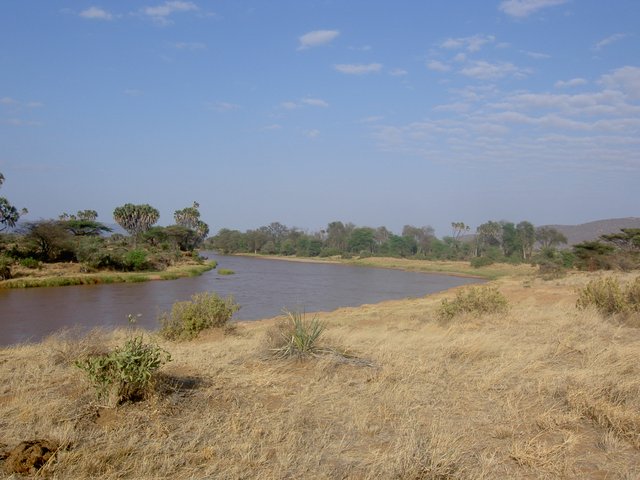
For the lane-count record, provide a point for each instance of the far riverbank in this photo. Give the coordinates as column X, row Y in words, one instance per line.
column 454, row 268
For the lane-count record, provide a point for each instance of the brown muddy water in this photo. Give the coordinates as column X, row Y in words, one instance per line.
column 262, row 287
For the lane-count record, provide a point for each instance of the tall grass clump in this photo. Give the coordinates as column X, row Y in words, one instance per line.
column 188, row 318
column 296, row 336
column 474, row 300
column 127, row 372
column 609, row 297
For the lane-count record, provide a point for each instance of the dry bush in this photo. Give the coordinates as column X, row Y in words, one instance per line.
column 473, row 300
column 609, row 297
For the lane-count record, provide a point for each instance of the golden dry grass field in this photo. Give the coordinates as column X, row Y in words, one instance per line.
column 544, row 391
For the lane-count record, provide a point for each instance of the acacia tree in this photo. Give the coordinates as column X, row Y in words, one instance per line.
column 9, row 215
column 136, row 219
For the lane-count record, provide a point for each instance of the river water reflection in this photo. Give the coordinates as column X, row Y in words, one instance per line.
column 262, row 287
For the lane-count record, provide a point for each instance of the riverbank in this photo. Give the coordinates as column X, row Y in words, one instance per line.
column 65, row 274
column 544, row 391
column 455, row 268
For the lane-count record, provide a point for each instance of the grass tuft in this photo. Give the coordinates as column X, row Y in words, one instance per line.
column 295, row 336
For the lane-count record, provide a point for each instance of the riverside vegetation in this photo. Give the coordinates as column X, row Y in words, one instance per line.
column 76, row 249
column 524, row 378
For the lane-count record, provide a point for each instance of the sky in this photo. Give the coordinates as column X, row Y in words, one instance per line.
column 305, row 112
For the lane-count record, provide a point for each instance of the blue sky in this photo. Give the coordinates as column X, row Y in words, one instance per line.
column 305, row 112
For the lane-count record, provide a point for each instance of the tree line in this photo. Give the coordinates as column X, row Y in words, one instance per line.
column 498, row 241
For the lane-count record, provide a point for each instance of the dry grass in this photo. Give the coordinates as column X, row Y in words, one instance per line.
column 545, row 391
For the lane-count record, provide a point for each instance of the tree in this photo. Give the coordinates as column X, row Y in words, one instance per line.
column 51, row 241
column 422, row 236
column 337, row 236
column 361, row 239
column 9, row 215
column 628, row 239
column 549, row 237
column 190, row 218
column 136, row 219
column 83, row 224
column 488, row 234
column 527, row 237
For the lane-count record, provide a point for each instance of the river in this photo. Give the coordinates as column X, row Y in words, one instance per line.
column 262, row 287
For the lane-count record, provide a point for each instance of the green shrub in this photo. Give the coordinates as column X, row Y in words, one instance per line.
column 5, row 267
column 225, row 271
column 478, row 262
column 609, row 297
column 30, row 263
column 329, row 252
column 296, row 336
column 126, row 373
column 475, row 300
column 136, row 260
column 188, row 318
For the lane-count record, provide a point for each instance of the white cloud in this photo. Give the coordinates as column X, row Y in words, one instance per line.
column 460, row 57
column 363, row 48
column 34, row 104
column 358, row 69
column 8, row 101
column 96, row 13
column 537, row 55
column 133, row 92
column 524, row 8
column 471, row 44
column 398, row 72
column 574, row 82
column 189, row 45
column 223, row 106
column 307, row 101
column 438, row 66
column 372, row 119
column 314, row 102
column 160, row 13
column 482, row 125
column 312, row 133
column 273, row 126
column 609, row 40
column 317, row 38
column 483, row 70
column 627, row 79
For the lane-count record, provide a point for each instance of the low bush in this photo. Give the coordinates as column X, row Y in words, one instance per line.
column 5, row 267
column 478, row 262
column 188, row 318
column 126, row 373
column 225, row 271
column 136, row 260
column 295, row 336
column 30, row 263
column 474, row 300
column 609, row 297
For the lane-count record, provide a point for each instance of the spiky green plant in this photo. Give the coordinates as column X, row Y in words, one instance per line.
column 297, row 336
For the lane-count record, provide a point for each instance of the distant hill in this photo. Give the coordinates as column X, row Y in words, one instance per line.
column 592, row 230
